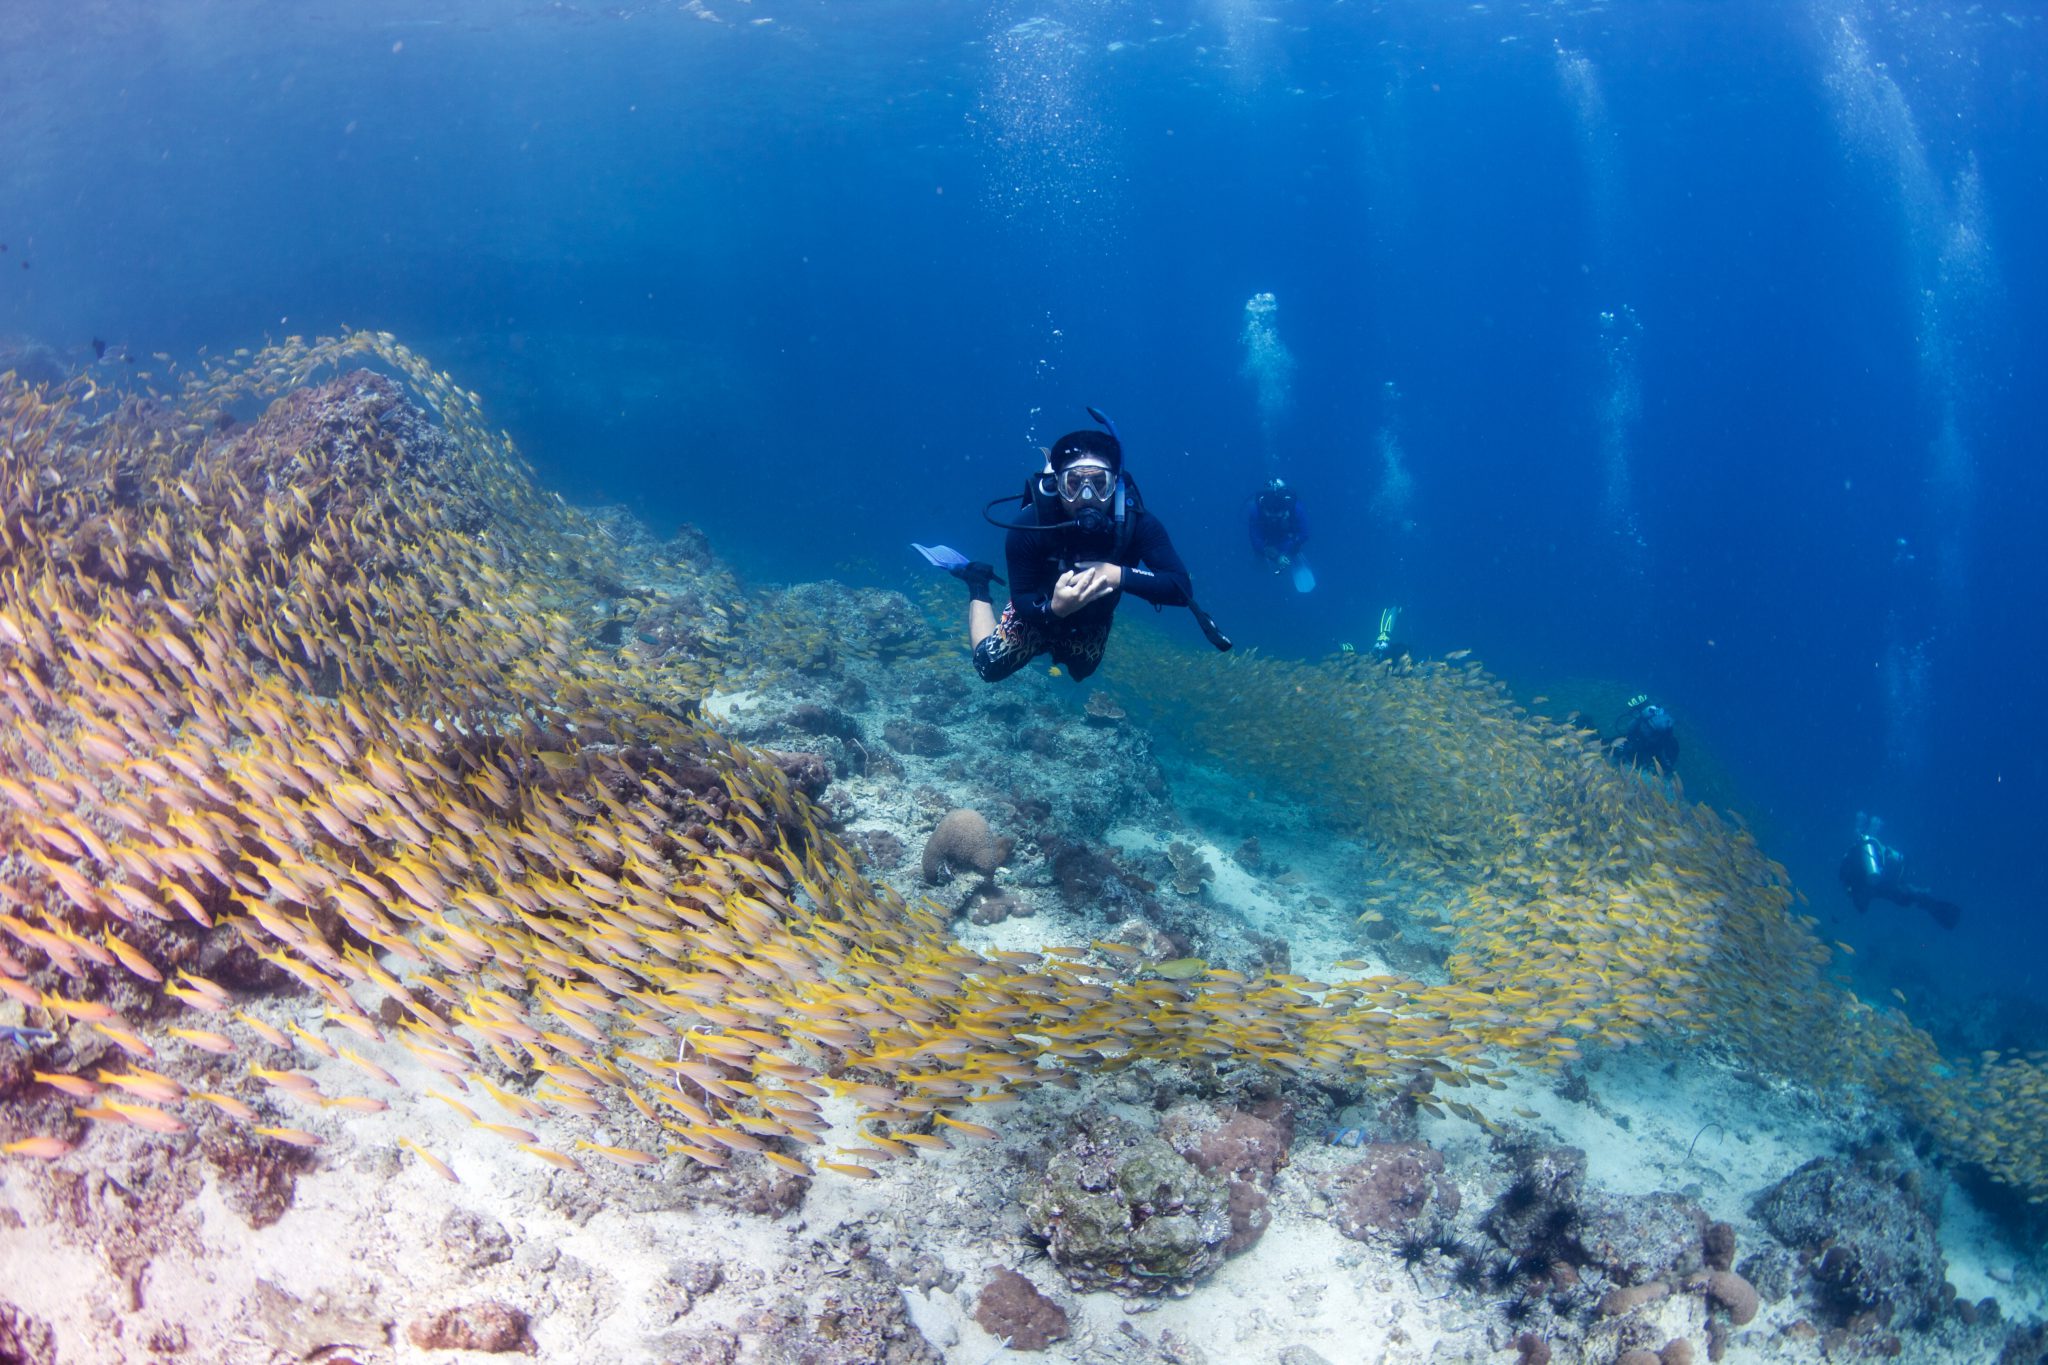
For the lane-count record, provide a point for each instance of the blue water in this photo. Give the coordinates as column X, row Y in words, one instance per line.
column 819, row 277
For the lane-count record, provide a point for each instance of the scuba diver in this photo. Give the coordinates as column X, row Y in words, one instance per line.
column 1278, row 531
column 1081, row 541
column 1873, row 870
column 1385, row 648
column 1649, row 736
column 1384, row 645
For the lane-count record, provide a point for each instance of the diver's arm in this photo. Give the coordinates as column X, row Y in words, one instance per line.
column 1033, row 573
column 1159, row 577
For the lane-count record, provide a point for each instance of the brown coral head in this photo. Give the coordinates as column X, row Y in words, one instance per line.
column 963, row 841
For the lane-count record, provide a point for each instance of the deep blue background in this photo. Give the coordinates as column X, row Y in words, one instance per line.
column 819, row 284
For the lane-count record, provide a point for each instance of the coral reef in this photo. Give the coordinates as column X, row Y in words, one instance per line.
column 1657, row 1236
column 1119, row 1209
column 859, row 1320
column 1541, row 1210
column 333, row 746
column 916, row 737
column 1677, row 1351
column 1866, row 1226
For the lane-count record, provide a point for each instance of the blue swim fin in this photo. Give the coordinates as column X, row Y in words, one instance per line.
column 940, row 556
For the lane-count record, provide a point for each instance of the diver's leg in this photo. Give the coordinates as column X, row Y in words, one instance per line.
column 1008, row 646
column 1946, row 913
column 1081, row 651
column 981, row 615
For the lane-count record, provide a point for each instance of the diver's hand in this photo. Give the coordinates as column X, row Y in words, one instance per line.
column 1106, row 579
column 1081, row 586
column 1066, row 595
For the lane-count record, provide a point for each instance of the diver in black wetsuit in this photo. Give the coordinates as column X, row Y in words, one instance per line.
column 1873, row 870
column 1276, row 524
column 1649, row 737
column 1082, row 540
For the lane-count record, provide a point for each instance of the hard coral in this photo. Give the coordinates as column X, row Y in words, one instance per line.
column 1229, row 1143
column 1718, row 1245
column 963, row 840
column 1011, row 1309
column 916, row 737
column 25, row 1339
column 1103, row 708
column 489, row 1326
column 1635, row 1238
column 1730, row 1291
column 1395, row 1188
column 1616, row 1302
column 1243, row 1149
column 1869, row 1234
column 1190, row 868
column 1119, row 1209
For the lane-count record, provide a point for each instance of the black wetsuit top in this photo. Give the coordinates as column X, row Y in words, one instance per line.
column 1037, row 557
column 1647, row 746
column 1889, row 882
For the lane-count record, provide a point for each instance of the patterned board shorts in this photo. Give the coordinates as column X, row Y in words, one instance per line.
column 1016, row 643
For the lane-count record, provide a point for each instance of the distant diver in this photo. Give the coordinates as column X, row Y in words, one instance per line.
column 1385, row 648
column 1873, row 870
column 99, row 349
column 1649, row 736
column 1384, row 645
column 1279, row 530
column 1082, row 539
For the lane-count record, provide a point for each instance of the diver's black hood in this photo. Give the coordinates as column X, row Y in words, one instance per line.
column 1076, row 445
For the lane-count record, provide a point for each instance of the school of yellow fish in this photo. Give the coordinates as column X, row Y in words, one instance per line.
column 330, row 702
column 1594, row 908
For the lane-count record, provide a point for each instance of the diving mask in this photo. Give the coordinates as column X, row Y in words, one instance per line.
column 1086, row 483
